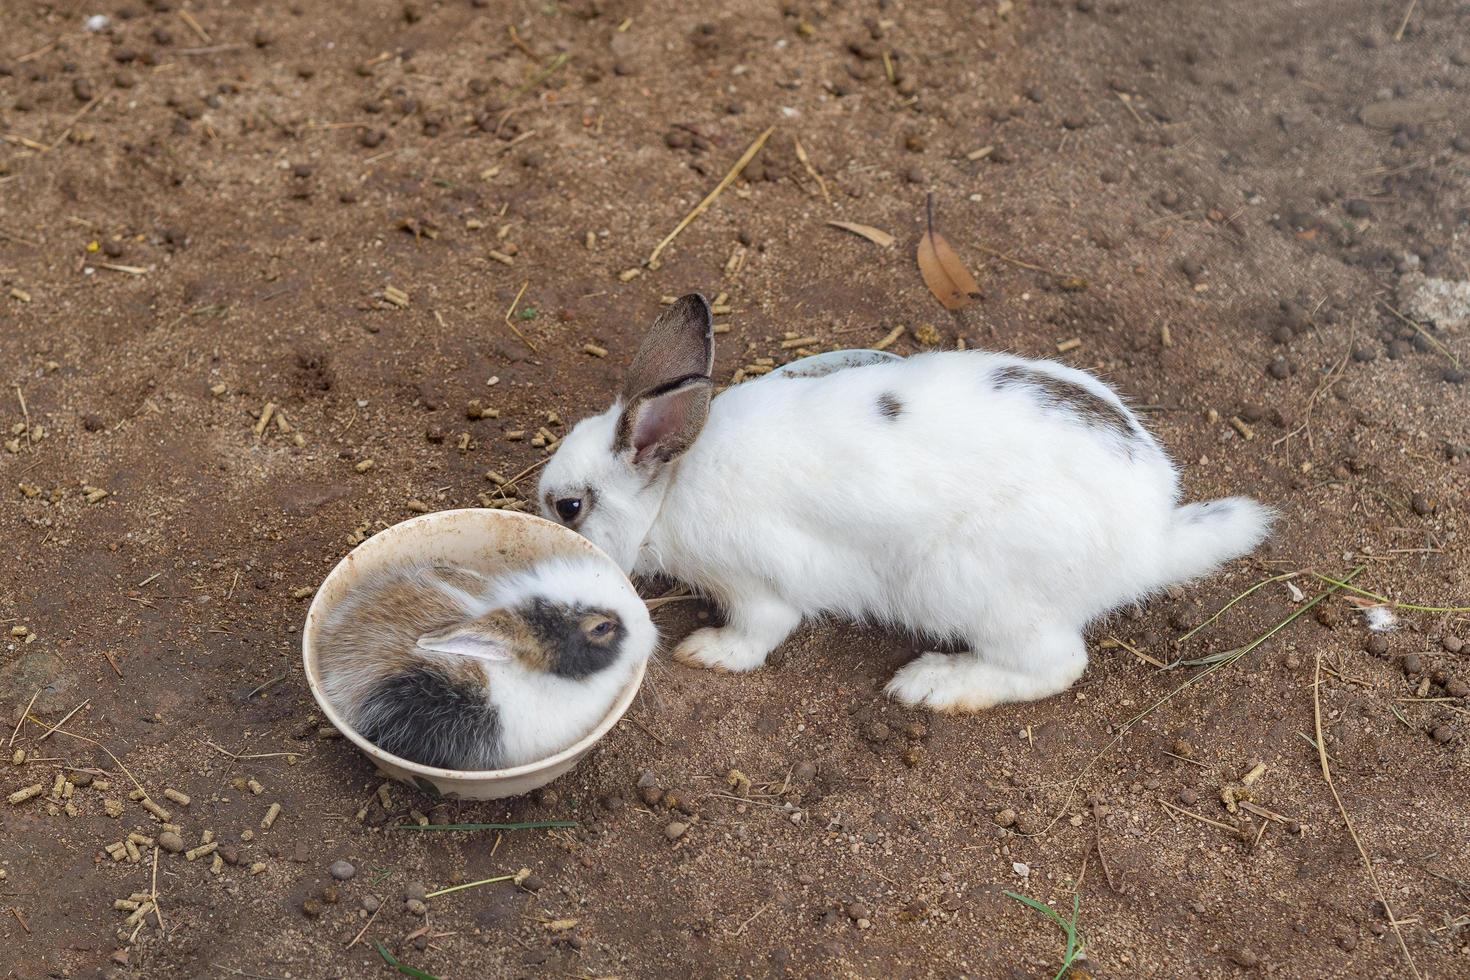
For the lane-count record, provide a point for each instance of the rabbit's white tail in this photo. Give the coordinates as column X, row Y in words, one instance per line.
column 1205, row 535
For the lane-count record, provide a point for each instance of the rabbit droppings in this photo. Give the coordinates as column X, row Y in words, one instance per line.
column 980, row 498
column 449, row 668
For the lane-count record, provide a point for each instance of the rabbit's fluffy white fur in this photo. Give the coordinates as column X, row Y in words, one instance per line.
column 971, row 497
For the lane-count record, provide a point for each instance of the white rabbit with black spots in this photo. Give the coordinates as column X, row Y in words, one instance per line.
column 996, row 503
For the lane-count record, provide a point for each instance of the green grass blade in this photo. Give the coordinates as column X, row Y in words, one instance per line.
column 528, row 825
column 1075, row 939
column 1391, row 602
column 403, row 968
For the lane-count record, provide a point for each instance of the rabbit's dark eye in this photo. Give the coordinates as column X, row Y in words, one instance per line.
column 599, row 629
column 567, row 508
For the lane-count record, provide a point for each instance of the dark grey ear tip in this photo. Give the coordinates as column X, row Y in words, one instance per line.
column 694, row 305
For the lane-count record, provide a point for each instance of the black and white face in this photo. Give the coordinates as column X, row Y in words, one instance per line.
column 576, row 639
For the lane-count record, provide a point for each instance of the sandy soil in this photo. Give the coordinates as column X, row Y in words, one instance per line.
column 1224, row 208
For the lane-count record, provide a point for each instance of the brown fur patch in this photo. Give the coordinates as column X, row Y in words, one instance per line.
column 1086, row 406
column 373, row 637
column 889, row 406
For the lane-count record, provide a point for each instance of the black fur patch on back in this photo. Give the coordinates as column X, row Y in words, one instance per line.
column 1086, row 406
column 889, row 406
column 423, row 716
column 558, row 628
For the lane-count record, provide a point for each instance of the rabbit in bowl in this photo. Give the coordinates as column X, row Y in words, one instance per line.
column 446, row 667
column 994, row 502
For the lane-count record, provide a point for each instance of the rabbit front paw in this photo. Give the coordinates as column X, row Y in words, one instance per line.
column 943, row 682
column 721, row 649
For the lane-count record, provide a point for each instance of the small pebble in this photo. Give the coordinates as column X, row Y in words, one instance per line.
column 342, row 870
column 415, row 892
column 372, row 903
column 1442, row 734
column 1377, row 645
column 1423, row 506
column 1457, row 688
column 171, row 842
column 676, row 829
column 1006, row 818
column 1450, row 642
column 1412, row 664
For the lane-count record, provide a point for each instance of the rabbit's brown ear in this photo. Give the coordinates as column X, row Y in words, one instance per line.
column 667, row 392
column 680, row 344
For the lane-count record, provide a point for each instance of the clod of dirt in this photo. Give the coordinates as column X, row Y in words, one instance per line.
column 676, row 829
column 371, row 903
column 311, row 908
column 1412, row 664
column 1423, row 505
column 1245, row 958
column 649, row 789
column 1442, row 734
column 1377, row 645
column 1457, row 688
column 342, row 870
column 416, row 907
column 171, row 842
column 415, row 892
column 1006, row 818
column 1452, row 643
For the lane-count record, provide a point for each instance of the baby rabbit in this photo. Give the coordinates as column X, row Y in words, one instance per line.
column 449, row 668
column 977, row 498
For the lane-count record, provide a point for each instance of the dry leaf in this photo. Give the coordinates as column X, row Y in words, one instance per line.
column 875, row 235
column 943, row 272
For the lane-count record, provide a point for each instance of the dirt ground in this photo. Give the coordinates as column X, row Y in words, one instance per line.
column 1224, row 208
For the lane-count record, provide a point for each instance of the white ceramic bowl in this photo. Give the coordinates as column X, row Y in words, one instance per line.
column 488, row 541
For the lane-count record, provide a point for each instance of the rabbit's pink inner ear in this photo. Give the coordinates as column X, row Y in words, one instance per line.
column 466, row 642
column 660, row 426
